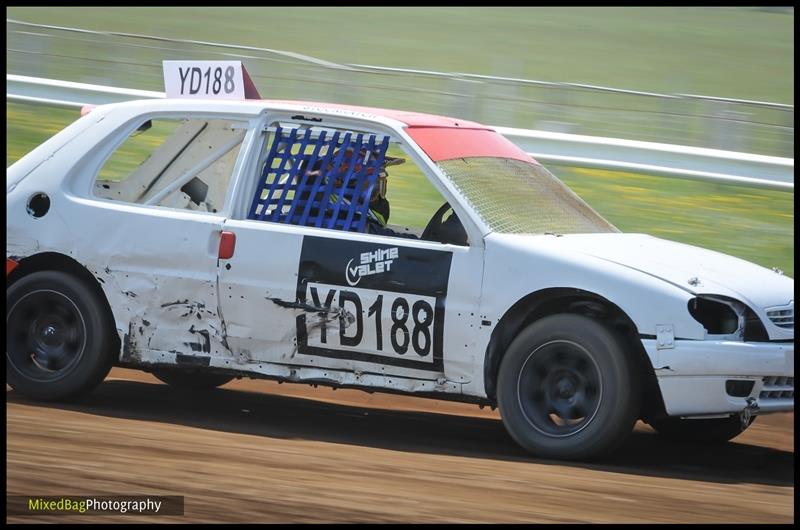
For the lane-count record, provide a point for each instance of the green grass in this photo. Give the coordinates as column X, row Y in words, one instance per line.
column 745, row 53
column 733, row 52
column 754, row 224
column 27, row 126
column 757, row 225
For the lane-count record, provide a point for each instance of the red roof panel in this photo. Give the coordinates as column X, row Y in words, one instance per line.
column 441, row 138
column 411, row 119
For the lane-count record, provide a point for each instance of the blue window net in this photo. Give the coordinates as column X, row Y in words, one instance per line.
column 319, row 179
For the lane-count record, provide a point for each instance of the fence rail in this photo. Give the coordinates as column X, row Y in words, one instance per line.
column 667, row 160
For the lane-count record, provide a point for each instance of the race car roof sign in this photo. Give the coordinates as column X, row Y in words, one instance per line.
column 208, row 80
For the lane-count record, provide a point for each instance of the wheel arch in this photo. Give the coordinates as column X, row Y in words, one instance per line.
column 551, row 301
column 55, row 261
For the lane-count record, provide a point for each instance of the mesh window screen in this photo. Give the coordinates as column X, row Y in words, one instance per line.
column 513, row 196
column 322, row 179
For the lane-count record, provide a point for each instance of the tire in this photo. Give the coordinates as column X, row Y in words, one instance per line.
column 567, row 390
column 709, row 431
column 191, row 380
column 60, row 336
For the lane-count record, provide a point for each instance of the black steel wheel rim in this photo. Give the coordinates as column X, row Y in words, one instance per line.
column 559, row 388
column 46, row 335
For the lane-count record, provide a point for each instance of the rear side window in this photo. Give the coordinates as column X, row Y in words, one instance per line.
column 176, row 163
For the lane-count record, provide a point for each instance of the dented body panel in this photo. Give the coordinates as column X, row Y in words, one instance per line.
column 307, row 304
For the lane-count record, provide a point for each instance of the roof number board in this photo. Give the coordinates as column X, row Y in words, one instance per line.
column 207, row 79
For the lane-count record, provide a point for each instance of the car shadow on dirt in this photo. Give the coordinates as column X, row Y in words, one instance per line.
column 260, row 414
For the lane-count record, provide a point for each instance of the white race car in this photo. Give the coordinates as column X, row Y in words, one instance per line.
column 204, row 239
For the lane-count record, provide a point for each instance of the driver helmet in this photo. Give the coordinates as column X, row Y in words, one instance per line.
column 364, row 155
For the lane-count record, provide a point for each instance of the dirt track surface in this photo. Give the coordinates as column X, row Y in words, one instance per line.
column 256, row 451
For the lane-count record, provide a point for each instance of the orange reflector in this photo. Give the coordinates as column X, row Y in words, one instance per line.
column 86, row 109
column 10, row 265
column 227, row 244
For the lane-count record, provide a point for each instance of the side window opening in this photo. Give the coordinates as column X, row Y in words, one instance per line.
column 176, row 163
column 318, row 177
column 342, row 180
column 412, row 197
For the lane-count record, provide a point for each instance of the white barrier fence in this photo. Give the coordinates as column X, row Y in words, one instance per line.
column 667, row 160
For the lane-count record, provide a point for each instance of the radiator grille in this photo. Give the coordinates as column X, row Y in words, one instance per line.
column 783, row 317
column 777, row 387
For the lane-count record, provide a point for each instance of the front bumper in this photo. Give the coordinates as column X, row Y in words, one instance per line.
column 692, row 376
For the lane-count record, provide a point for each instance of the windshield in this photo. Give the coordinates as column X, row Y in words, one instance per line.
column 517, row 197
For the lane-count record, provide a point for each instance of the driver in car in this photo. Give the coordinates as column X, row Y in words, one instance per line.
column 379, row 209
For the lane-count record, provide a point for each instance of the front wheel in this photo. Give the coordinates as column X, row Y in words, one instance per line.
column 567, row 389
column 708, row 431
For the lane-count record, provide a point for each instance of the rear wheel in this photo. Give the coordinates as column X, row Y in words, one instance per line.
column 60, row 341
column 191, row 380
column 709, row 431
column 567, row 390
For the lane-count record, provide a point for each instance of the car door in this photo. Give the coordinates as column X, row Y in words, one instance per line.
column 150, row 226
column 325, row 298
column 353, row 302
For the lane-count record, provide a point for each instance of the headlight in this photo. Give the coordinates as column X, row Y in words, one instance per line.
column 727, row 319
